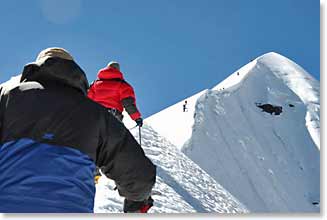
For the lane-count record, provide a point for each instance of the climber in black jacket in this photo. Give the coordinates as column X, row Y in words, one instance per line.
column 52, row 137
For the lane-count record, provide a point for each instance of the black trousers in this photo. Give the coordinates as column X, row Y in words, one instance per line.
column 120, row 117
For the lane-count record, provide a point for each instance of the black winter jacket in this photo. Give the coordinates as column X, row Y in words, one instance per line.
column 49, row 111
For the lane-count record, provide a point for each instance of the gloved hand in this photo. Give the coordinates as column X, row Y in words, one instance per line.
column 138, row 206
column 139, row 122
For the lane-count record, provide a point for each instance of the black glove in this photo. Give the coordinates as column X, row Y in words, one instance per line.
column 139, row 122
column 138, row 206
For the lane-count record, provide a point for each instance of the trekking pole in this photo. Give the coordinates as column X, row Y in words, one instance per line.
column 140, row 136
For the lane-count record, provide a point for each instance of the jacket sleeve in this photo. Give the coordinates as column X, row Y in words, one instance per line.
column 122, row 159
column 127, row 97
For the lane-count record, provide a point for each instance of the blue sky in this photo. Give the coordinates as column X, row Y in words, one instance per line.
column 168, row 49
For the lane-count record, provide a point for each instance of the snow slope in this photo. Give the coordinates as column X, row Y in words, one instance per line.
column 271, row 163
column 181, row 187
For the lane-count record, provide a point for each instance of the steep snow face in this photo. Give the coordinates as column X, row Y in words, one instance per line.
column 269, row 162
column 302, row 84
column 293, row 76
column 181, row 187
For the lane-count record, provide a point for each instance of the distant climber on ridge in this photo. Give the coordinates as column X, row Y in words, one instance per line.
column 112, row 91
column 184, row 106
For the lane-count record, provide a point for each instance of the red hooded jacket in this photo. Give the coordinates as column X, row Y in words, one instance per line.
column 112, row 91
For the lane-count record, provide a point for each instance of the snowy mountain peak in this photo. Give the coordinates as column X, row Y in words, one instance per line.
column 257, row 133
column 268, row 66
column 293, row 75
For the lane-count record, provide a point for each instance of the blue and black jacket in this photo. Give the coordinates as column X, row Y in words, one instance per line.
column 52, row 138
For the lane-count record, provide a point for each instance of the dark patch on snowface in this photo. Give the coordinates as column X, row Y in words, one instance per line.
column 291, row 105
column 269, row 108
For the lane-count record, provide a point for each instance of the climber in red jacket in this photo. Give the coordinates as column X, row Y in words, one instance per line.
column 114, row 93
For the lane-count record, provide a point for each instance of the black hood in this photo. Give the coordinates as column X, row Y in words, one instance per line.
column 57, row 70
